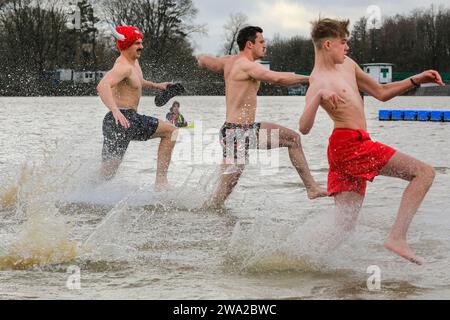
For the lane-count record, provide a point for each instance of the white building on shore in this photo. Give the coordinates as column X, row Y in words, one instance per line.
column 62, row 75
column 380, row 72
column 88, row 76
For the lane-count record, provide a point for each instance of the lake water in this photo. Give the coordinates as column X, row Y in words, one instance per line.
column 126, row 241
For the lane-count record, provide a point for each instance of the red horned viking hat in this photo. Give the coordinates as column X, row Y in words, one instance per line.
column 126, row 36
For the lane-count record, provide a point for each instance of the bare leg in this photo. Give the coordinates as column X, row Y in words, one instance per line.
column 347, row 208
column 109, row 168
column 331, row 235
column 168, row 134
column 228, row 179
column 421, row 177
column 290, row 139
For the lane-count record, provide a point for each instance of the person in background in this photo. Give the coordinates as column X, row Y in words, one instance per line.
column 175, row 117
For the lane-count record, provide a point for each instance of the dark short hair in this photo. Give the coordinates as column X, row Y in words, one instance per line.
column 247, row 34
column 173, row 105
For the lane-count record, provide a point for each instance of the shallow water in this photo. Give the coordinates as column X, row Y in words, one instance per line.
column 130, row 242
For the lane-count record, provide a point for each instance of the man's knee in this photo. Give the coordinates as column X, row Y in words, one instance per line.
column 296, row 140
column 427, row 173
column 166, row 131
column 293, row 140
column 171, row 133
column 174, row 134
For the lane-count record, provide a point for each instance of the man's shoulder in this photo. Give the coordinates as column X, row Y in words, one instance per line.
column 227, row 59
column 122, row 66
column 235, row 61
column 247, row 66
column 317, row 78
column 349, row 62
column 238, row 65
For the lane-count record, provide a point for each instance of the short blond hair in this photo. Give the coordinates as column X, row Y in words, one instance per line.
column 329, row 28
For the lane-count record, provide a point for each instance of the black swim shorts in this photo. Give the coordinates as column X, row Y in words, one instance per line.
column 237, row 140
column 116, row 138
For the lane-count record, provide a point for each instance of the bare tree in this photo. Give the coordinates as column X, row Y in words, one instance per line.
column 3, row 2
column 33, row 34
column 165, row 23
column 235, row 23
column 359, row 40
column 419, row 40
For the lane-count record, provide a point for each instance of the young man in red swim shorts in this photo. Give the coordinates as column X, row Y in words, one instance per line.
column 353, row 157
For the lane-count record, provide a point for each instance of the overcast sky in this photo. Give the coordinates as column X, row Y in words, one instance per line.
column 289, row 17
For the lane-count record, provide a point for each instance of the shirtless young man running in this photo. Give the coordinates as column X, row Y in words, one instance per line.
column 121, row 91
column 240, row 132
column 353, row 157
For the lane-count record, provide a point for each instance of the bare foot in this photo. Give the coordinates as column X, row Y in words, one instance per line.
column 316, row 192
column 209, row 206
column 402, row 249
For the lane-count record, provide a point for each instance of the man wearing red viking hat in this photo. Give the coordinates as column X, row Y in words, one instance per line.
column 121, row 90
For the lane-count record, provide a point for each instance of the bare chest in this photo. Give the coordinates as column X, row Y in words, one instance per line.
column 132, row 82
column 343, row 84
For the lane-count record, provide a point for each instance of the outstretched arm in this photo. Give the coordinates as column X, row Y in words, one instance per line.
column 260, row 73
column 104, row 89
column 216, row 64
column 154, row 85
column 385, row 92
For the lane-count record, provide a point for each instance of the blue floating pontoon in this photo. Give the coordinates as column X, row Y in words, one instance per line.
column 414, row 115
column 447, row 116
column 385, row 115
column 423, row 115
column 436, row 116
column 397, row 115
column 410, row 115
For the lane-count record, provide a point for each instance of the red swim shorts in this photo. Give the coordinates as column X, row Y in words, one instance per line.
column 353, row 160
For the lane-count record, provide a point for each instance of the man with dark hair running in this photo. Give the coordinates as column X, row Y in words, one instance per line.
column 240, row 132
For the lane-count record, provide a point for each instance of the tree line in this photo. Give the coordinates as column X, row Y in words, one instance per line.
column 420, row 40
column 413, row 42
column 39, row 36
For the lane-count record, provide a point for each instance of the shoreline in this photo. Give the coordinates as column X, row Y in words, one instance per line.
column 217, row 90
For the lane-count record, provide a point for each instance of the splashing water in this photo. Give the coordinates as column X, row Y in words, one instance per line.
column 277, row 246
column 44, row 240
column 110, row 239
column 44, row 236
column 9, row 196
column 8, row 199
